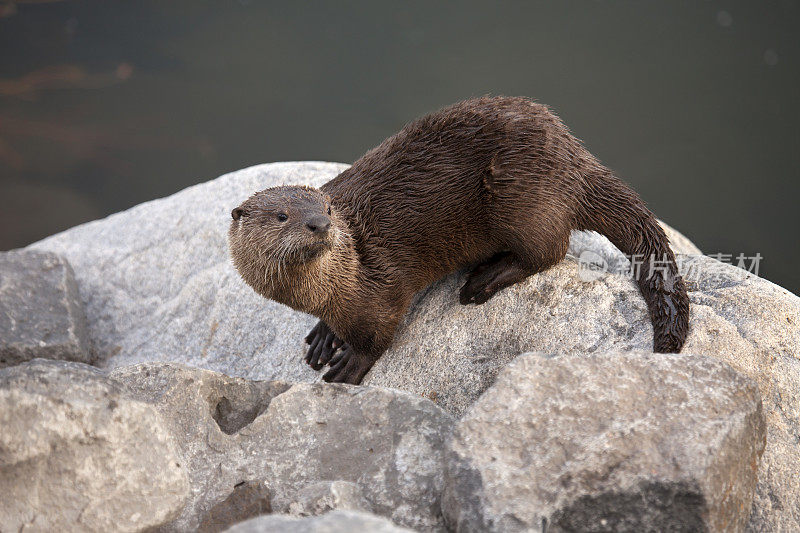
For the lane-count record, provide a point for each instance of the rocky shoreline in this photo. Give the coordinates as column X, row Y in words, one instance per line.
column 541, row 410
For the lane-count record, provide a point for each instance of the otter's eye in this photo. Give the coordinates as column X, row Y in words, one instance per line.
column 282, row 217
column 329, row 210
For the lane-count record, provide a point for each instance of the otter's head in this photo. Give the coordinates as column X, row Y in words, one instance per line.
column 282, row 238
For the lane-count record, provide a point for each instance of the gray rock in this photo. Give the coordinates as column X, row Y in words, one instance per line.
column 323, row 496
column 388, row 443
column 40, row 312
column 205, row 411
column 172, row 294
column 333, row 522
column 76, row 454
column 607, row 442
column 162, row 287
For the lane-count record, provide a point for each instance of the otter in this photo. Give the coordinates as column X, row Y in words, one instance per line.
column 495, row 183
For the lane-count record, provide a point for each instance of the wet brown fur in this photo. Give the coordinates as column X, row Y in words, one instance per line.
column 498, row 182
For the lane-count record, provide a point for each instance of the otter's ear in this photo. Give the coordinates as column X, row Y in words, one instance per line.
column 237, row 213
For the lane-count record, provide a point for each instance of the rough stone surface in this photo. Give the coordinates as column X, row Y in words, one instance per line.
column 333, row 522
column 40, row 312
column 389, row 443
column 77, row 455
column 163, row 288
column 607, row 442
column 323, row 496
column 205, row 411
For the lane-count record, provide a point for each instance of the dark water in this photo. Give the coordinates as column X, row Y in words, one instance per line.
column 106, row 104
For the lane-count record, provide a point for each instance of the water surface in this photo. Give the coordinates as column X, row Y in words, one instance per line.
column 107, row 104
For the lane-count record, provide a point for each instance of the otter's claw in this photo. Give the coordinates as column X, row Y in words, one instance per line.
column 348, row 367
column 324, row 344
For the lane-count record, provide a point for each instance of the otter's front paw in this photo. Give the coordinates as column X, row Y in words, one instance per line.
column 348, row 367
column 324, row 344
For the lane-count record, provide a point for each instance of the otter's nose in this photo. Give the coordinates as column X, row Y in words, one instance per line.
column 318, row 224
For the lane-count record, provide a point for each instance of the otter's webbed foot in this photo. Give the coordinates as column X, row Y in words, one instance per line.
column 324, row 344
column 489, row 277
column 348, row 367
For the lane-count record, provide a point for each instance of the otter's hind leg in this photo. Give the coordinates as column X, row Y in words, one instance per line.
column 489, row 277
column 324, row 344
column 507, row 268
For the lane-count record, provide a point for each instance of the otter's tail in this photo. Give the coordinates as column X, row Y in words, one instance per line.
column 612, row 208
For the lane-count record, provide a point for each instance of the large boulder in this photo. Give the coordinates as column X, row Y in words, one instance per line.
column 40, row 312
column 162, row 286
column 76, row 454
column 607, row 442
column 172, row 294
column 389, row 444
column 158, row 284
column 333, row 522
